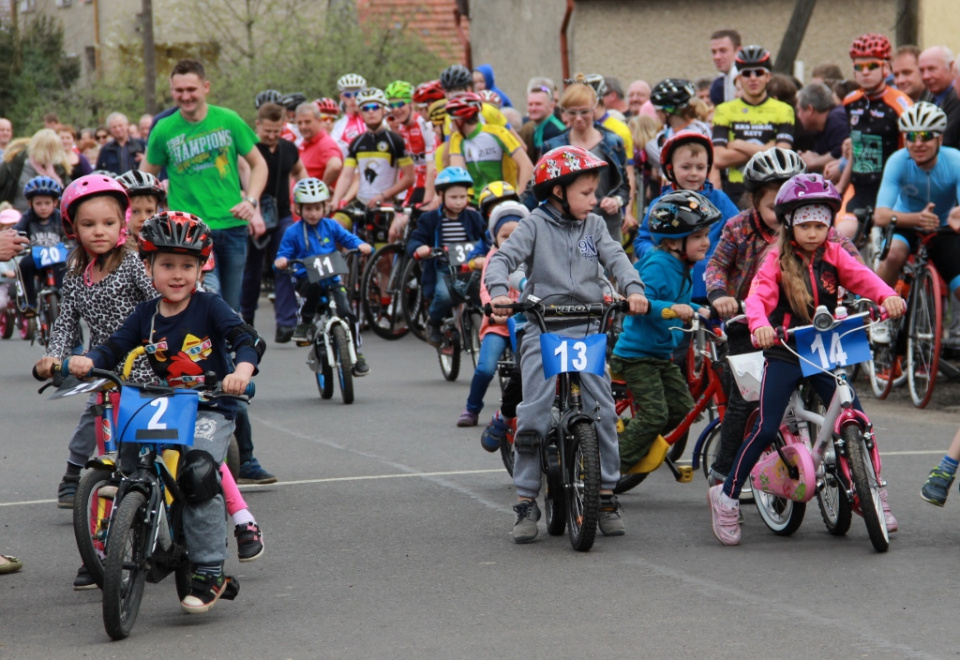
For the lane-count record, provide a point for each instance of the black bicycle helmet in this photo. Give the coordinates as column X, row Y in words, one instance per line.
column 141, row 184
column 456, row 77
column 680, row 213
column 672, row 93
column 774, row 165
column 177, row 233
column 753, row 57
column 292, row 100
column 267, row 96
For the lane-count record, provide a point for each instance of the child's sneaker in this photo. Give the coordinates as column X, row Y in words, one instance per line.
column 467, row 418
column 937, row 486
column 252, row 472
column 206, row 590
column 495, row 434
column 361, row 368
column 724, row 517
column 67, row 491
column 434, row 337
column 84, row 580
column 303, row 333
column 249, row 541
column 611, row 520
column 525, row 529
column 888, row 518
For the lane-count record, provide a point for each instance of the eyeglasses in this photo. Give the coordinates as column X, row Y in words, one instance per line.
column 753, row 73
column 867, row 66
column 585, row 112
column 667, row 109
column 348, row 95
column 397, row 104
column 920, row 136
column 102, row 136
column 324, row 117
column 370, row 107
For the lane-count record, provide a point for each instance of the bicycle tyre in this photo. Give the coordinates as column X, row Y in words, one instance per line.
column 867, row 485
column 832, row 500
column 708, row 451
column 448, row 353
column 325, row 375
column 345, row 365
column 628, row 482
column 51, row 313
column 28, row 328
column 8, row 320
column 233, row 458
column 88, row 532
column 884, row 362
column 924, row 338
column 781, row 515
column 125, row 570
column 554, row 502
column 582, row 480
column 506, row 455
column 472, row 321
column 374, row 291
column 412, row 300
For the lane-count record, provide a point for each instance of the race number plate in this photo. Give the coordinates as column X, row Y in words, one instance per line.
column 842, row 346
column 459, row 253
column 46, row 256
column 324, row 266
column 157, row 418
column 565, row 354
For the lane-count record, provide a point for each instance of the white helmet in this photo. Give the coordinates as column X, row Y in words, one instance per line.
column 372, row 95
column 351, row 81
column 773, row 165
column 310, row 191
column 923, row 117
column 503, row 210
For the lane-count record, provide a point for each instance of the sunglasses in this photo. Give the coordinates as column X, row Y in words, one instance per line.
column 348, row 95
column 370, row 107
column 102, row 136
column 667, row 109
column 397, row 104
column 753, row 73
column 867, row 66
column 920, row 136
column 579, row 113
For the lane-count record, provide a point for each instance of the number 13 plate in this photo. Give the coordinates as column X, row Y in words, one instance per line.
column 564, row 354
column 155, row 418
column 846, row 344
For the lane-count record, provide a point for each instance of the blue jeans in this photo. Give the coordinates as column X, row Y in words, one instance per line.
column 230, row 251
column 441, row 305
column 491, row 348
column 285, row 303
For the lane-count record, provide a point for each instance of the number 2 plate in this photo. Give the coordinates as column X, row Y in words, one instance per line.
column 565, row 354
column 153, row 418
column 846, row 344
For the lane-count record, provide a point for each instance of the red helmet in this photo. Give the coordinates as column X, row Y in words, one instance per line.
column 464, row 106
column 175, row 232
column 91, row 185
column 561, row 166
column 327, row 106
column 491, row 97
column 871, row 45
column 677, row 140
column 428, row 92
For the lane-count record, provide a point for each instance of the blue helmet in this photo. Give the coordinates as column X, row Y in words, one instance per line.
column 42, row 185
column 452, row 176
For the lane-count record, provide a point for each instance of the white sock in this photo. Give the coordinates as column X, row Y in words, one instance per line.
column 242, row 517
column 728, row 501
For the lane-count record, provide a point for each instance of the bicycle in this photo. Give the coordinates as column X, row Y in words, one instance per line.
column 332, row 343
column 825, row 452
column 11, row 318
column 372, row 226
column 47, row 258
column 570, row 454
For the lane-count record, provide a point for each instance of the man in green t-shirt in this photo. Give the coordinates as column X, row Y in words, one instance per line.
column 200, row 147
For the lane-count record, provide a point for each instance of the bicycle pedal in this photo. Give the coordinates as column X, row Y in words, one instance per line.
column 232, row 588
column 686, row 474
column 303, row 342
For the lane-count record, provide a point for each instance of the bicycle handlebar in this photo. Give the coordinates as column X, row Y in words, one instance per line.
column 541, row 311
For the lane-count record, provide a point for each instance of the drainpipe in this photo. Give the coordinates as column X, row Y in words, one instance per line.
column 564, row 47
column 464, row 40
column 96, row 39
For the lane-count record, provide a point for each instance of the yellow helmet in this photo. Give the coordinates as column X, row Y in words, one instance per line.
column 438, row 112
column 496, row 191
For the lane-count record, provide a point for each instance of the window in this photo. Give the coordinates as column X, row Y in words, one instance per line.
column 64, row 3
column 27, row 5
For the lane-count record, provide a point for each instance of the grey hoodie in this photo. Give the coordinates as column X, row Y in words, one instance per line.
column 562, row 257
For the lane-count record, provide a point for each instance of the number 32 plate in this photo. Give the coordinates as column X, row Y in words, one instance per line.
column 565, row 354
column 153, row 418
column 846, row 344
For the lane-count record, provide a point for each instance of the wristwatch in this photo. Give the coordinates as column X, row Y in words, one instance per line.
column 253, row 201
column 620, row 200
column 893, row 221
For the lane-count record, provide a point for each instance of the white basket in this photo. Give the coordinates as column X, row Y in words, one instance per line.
column 748, row 372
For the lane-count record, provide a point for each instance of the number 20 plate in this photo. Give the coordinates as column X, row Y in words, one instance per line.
column 49, row 256
column 565, row 354
column 846, row 344
column 152, row 418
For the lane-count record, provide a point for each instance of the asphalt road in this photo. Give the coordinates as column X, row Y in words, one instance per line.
column 387, row 537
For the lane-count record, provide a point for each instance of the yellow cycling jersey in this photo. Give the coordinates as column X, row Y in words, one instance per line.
column 611, row 123
column 769, row 121
column 489, row 115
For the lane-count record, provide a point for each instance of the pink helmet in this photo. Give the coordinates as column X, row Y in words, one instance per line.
column 804, row 189
column 92, row 185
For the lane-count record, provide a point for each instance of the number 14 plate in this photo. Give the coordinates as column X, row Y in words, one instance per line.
column 844, row 345
column 564, row 354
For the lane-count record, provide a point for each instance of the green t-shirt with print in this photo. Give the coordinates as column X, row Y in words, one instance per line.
column 201, row 162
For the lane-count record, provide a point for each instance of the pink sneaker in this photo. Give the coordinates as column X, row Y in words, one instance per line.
column 888, row 518
column 724, row 518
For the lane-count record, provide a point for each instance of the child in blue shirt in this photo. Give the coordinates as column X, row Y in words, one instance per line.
column 314, row 235
column 680, row 224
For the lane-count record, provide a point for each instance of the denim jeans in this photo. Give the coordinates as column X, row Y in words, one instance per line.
column 491, row 348
column 441, row 304
column 285, row 303
column 230, row 251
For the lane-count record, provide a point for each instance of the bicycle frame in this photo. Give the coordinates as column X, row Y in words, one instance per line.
column 329, row 319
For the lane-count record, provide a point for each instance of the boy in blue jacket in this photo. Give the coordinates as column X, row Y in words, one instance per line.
column 453, row 226
column 314, row 235
column 680, row 224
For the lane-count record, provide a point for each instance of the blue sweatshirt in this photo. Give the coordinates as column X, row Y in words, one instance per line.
column 643, row 243
column 668, row 282
column 301, row 241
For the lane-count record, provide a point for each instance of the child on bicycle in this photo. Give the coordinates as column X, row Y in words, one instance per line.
column 804, row 273
column 452, row 224
column 679, row 223
column 494, row 337
column 189, row 333
column 563, row 245
column 146, row 195
column 316, row 235
column 42, row 225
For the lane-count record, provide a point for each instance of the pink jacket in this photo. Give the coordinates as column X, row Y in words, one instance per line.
column 486, row 326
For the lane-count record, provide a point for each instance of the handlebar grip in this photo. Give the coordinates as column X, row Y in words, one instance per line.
column 668, row 313
column 36, row 375
column 251, row 389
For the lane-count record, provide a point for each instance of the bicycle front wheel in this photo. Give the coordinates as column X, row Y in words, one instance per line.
column 867, row 484
column 125, row 570
column 50, row 315
column 345, row 366
column 582, row 477
column 380, row 292
column 448, row 352
column 91, row 519
column 925, row 333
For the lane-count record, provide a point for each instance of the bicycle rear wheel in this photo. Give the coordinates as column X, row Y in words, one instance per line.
column 471, row 326
column 867, row 484
column 380, row 292
column 50, row 314
column 8, row 320
column 412, row 300
column 125, row 570
column 91, row 519
column 783, row 516
column 832, row 499
column 925, row 333
column 582, row 481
